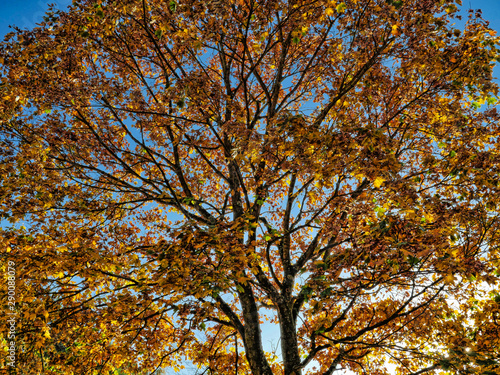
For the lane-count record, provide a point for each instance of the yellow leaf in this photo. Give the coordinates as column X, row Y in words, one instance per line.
column 341, row 7
column 449, row 278
column 329, row 11
column 378, row 181
column 428, row 217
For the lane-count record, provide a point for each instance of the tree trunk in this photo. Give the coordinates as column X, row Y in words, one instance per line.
column 289, row 345
column 253, row 337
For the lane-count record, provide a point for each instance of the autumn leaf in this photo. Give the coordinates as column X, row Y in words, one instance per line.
column 378, row 182
column 181, row 179
column 341, row 7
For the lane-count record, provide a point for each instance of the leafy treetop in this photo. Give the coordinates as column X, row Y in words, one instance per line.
column 176, row 173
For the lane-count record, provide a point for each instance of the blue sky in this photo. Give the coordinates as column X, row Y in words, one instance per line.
column 24, row 13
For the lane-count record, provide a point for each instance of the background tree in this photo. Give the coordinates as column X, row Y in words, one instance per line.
column 178, row 172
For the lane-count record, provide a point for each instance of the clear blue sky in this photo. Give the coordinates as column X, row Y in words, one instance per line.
column 26, row 13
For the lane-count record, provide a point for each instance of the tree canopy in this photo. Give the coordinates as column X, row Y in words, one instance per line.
column 177, row 175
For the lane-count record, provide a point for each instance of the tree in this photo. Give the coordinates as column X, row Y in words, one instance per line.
column 175, row 173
